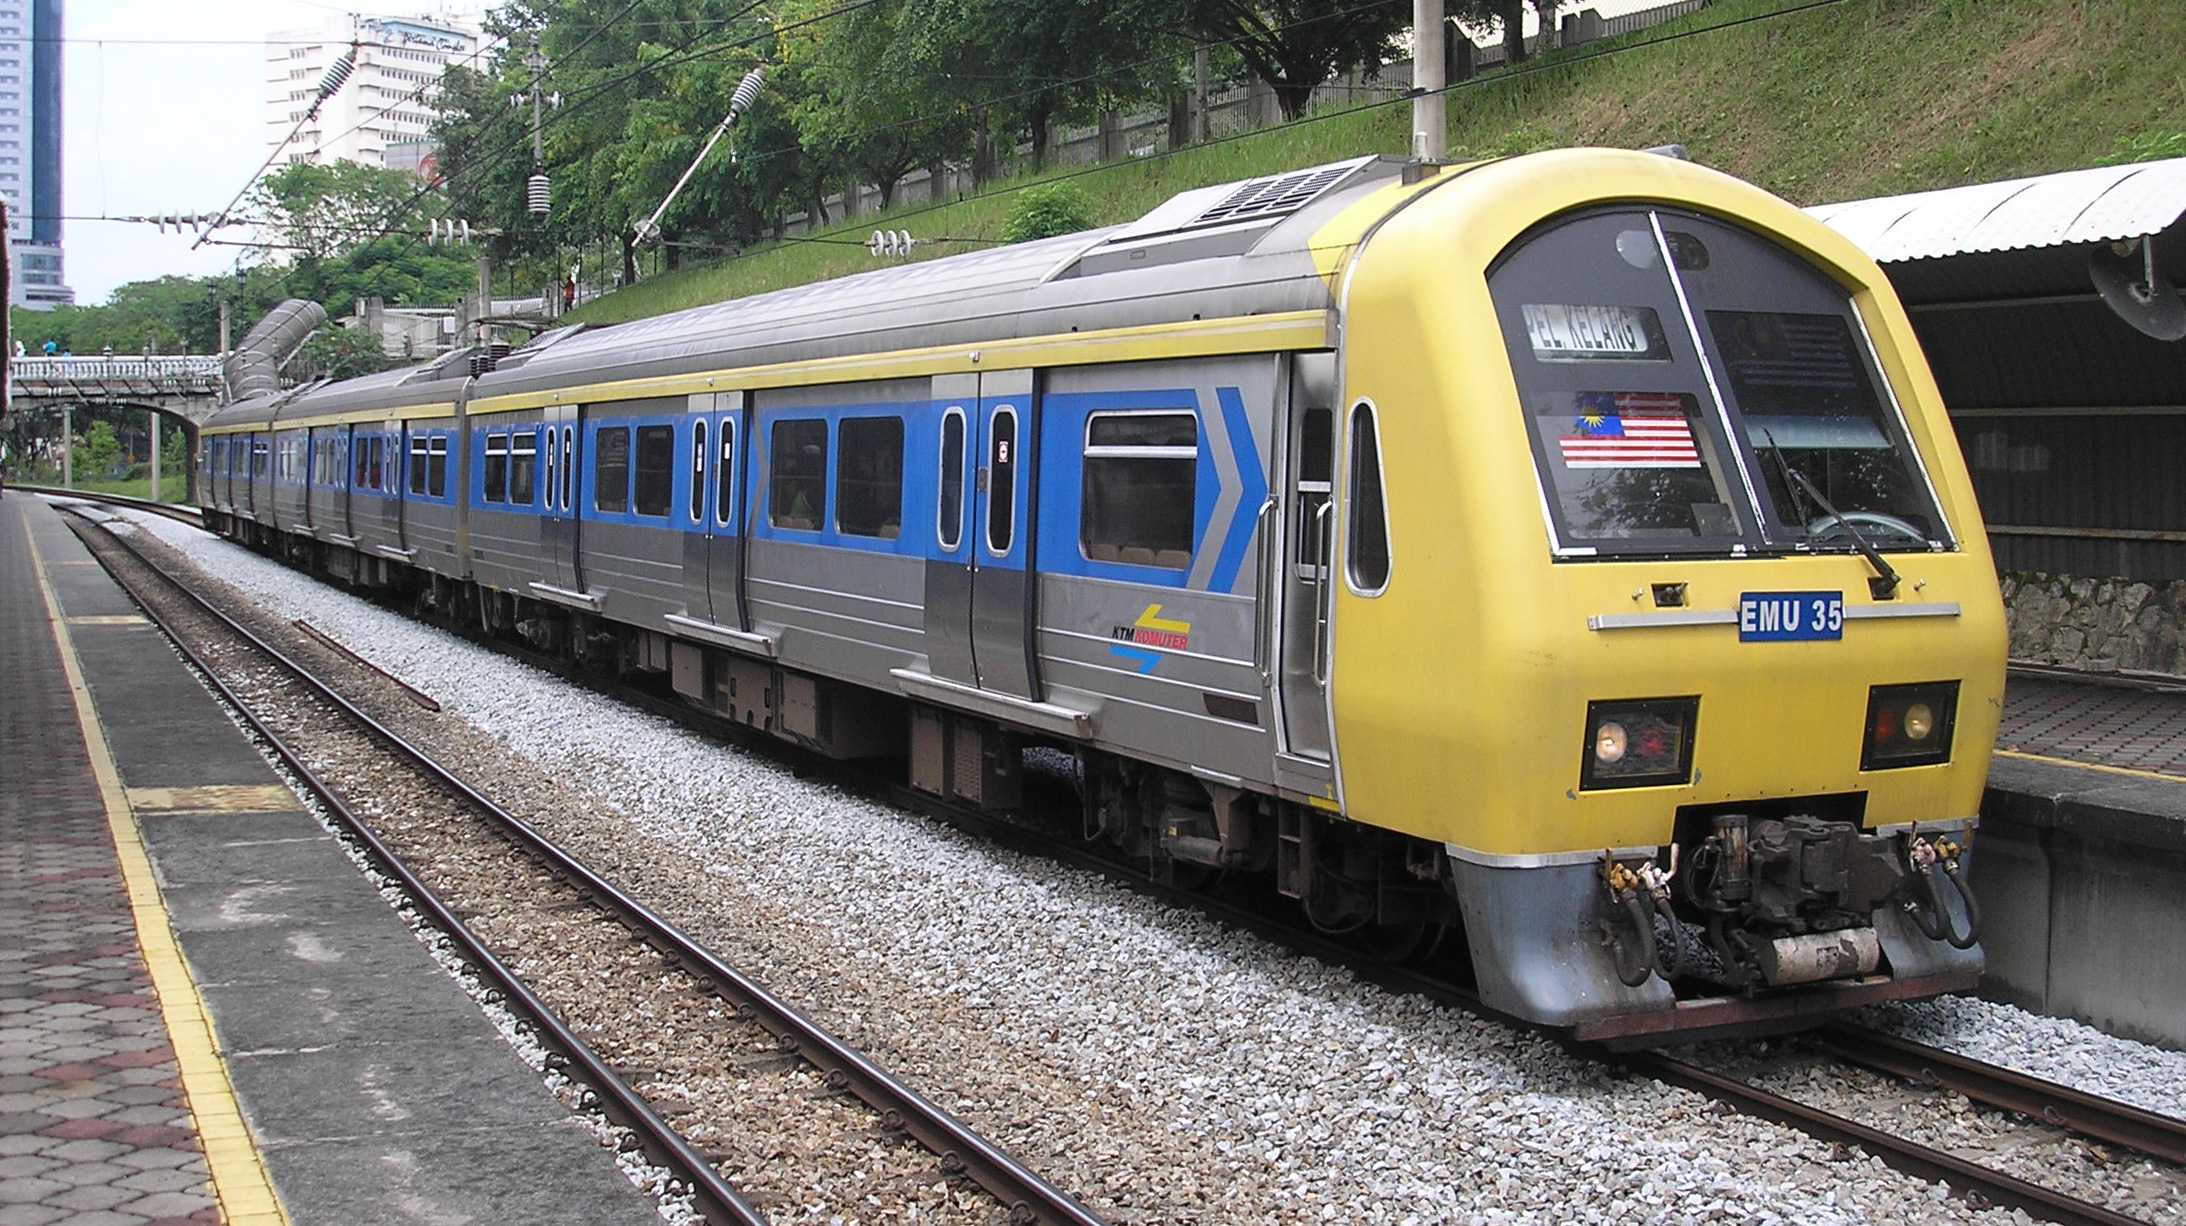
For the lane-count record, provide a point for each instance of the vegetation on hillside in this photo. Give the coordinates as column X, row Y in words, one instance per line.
column 1814, row 102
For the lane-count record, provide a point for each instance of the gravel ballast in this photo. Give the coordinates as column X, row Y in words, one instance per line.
column 1156, row 1064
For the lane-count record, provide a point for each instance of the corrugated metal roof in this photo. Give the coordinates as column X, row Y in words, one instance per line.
column 2077, row 206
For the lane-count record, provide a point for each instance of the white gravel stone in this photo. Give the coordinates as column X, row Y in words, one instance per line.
column 1149, row 1059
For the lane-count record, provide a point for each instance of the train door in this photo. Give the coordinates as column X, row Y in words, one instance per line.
column 1308, row 544
column 387, row 479
column 345, row 490
column 713, row 554
column 314, row 465
column 979, row 591
column 562, row 442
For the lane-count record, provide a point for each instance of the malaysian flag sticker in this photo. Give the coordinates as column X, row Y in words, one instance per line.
column 1629, row 430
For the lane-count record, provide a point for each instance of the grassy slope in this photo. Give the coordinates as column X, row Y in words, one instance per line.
column 1860, row 98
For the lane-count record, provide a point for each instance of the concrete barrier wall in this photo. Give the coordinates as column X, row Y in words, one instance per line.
column 2082, row 880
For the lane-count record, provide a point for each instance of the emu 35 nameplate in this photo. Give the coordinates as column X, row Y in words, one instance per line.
column 1790, row 617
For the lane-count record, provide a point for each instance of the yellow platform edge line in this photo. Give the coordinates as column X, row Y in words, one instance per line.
column 2090, row 766
column 237, row 1169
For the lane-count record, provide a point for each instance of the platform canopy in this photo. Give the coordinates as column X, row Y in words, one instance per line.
column 2071, row 409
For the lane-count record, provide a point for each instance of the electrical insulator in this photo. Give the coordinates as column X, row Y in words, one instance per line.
column 336, row 73
column 890, row 242
column 747, row 92
column 535, row 194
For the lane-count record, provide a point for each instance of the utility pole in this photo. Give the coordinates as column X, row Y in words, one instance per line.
column 536, row 194
column 1430, row 109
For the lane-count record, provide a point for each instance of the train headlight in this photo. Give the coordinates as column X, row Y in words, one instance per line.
column 1920, row 722
column 1640, row 742
column 1610, row 743
column 1909, row 725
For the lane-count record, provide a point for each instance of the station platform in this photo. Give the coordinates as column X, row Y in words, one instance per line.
column 206, row 1013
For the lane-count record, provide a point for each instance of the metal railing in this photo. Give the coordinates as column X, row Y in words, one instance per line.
column 101, row 375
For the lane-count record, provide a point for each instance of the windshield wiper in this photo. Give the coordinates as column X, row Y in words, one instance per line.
column 1887, row 585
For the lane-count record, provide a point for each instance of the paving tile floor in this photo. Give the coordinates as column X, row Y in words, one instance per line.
column 2104, row 725
column 93, row 1128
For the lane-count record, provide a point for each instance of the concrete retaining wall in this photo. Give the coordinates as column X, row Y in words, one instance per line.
column 2099, row 625
column 2082, row 880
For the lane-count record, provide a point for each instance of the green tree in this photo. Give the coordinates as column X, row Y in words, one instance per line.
column 643, row 84
column 1036, row 63
column 99, row 454
column 1044, row 212
column 342, row 353
column 858, row 101
column 319, row 211
column 1294, row 45
column 172, row 314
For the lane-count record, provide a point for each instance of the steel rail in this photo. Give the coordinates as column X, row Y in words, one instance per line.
column 713, row 1196
column 1027, row 1197
column 1964, row 1178
column 2101, row 1119
column 181, row 512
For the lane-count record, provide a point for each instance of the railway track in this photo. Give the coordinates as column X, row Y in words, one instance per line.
column 899, row 1110
column 2083, row 1114
column 1979, row 1185
column 176, row 511
column 2100, row 1119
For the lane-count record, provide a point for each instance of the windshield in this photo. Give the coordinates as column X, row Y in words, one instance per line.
column 1693, row 388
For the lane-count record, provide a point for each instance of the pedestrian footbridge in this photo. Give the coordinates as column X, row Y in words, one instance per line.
column 186, row 386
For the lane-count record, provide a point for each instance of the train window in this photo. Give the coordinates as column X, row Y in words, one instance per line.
column 497, row 468
column 698, row 471
column 1001, row 480
column 1693, row 387
column 869, row 477
column 1316, row 479
column 1367, row 541
column 569, row 462
column 611, row 469
column 436, row 484
column 656, row 470
column 949, row 515
column 417, row 463
column 724, row 475
column 379, row 463
column 523, row 467
column 797, row 474
column 1822, row 436
column 1138, row 488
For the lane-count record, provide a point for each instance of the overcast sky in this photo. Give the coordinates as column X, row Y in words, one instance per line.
column 165, row 113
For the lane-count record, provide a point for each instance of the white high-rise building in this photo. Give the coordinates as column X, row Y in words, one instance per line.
column 382, row 115
column 30, row 149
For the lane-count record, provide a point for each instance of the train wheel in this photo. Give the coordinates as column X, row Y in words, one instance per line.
column 1402, row 944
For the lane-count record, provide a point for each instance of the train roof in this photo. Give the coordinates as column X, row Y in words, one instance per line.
column 1233, row 249
column 1246, row 245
